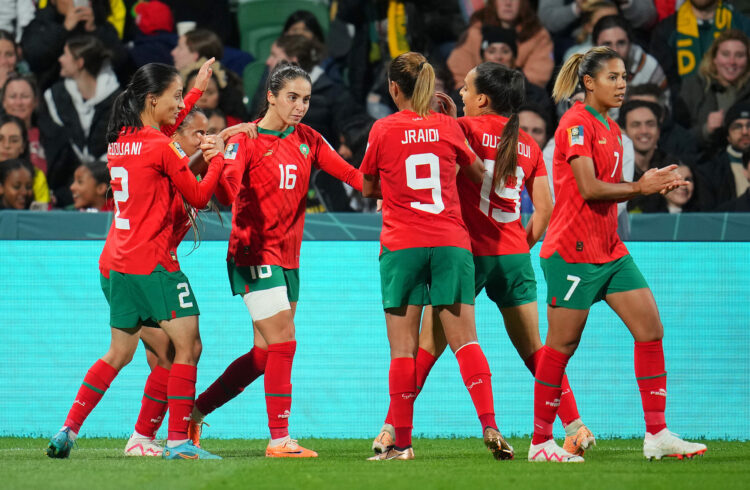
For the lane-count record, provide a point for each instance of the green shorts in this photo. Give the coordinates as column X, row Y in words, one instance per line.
column 136, row 299
column 246, row 279
column 578, row 286
column 508, row 279
column 426, row 275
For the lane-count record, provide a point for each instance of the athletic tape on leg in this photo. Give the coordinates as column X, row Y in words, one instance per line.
column 267, row 302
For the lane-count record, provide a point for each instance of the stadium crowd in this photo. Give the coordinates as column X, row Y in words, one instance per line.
column 63, row 62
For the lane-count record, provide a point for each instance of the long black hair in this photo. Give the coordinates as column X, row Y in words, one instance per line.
column 506, row 90
column 283, row 73
column 153, row 78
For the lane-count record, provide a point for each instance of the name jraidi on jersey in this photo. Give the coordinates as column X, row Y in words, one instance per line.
column 420, row 136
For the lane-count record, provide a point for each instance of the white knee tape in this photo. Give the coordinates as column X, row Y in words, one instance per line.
column 267, row 302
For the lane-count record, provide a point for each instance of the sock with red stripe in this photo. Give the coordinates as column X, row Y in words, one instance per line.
column 477, row 377
column 568, row 411
column 95, row 383
column 243, row 371
column 402, row 387
column 278, row 384
column 547, row 389
column 425, row 362
column 153, row 403
column 652, row 382
column 180, row 398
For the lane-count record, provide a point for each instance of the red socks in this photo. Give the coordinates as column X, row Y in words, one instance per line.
column 425, row 362
column 476, row 375
column 568, row 408
column 652, row 382
column 278, row 384
column 180, row 397
column 547, row 388
column 154, row 402
column 95, row 383
column 243, row 371
column 402, row 386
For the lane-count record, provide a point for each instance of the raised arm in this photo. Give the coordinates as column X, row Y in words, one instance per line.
column 197, row 194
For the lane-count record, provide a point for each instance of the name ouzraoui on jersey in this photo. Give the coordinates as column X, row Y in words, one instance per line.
column 127, row 148
column 420, row 136
column 492, row 141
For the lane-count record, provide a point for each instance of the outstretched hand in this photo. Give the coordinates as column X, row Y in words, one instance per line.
column 204, row 75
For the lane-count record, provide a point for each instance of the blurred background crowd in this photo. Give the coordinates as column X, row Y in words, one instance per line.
column 63, row 62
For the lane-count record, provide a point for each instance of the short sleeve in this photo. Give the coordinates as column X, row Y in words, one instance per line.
column 540, row 169
column 464, row 154
column 369, row 164
column 578, row 139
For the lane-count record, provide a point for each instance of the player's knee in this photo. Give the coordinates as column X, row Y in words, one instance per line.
column 197, row 349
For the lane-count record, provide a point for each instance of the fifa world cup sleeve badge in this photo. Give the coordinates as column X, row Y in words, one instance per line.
column 230, row 152
column 575, row 135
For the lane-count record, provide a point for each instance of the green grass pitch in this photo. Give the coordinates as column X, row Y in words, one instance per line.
column 440, row 463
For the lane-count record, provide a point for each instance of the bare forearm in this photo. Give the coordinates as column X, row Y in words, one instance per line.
column 596, row 190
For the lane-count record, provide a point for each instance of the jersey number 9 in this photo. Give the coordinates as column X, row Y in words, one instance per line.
column 431, row 182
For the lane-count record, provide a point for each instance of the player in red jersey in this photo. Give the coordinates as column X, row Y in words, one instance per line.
column 425, row 258
column 141, row 276
column 499, row 242
column 584, row 260
column 267, row 181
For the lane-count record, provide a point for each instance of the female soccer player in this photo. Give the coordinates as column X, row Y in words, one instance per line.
column 499, row 242
column 425, row 257
column 267, row 179
column 584, row 261
column 141, row 277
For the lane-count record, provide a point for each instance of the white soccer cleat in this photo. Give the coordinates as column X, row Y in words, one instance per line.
column 666, row 444
column 385, row 439
column 550, row 451
column 143, row 446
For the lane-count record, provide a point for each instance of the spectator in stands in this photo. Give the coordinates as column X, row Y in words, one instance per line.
column 20, row 98
column 216, row 121
column 14, row 144
column 15, row 15
column 304, row 23
column 45, row 37
column 535, row 47
column 535, row 122
column 90, row 188
column 8, row 56
column 560, row 16
column 740, row 204
column 593, row 11
column 220, row 94
column 724, row 177
column 679, row 42
column 196, row 45
column 723, row 78
column 674, row 139
column 614, row 31
column 212, row 15
column 15, row 185
column 153, row 37
column 684, row 199
column 77, row 108
column 499, row 46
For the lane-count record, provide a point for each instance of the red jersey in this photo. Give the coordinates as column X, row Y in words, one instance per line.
column 415, row 158
column 147, row 171
column 494, row 218
column 267, row 179
column 580, row 230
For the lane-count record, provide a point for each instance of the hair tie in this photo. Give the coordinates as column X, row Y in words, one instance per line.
column 421, row 65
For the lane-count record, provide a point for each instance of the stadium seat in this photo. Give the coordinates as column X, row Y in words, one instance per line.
column 251, row 77
column 267, row 17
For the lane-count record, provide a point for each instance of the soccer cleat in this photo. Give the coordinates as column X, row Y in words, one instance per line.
column 497, row 444
column 195, row 430
column 187, row 450
column 666, row 444
column 60, row 445
column 142, row 446
column 385, row 439
column 289, row 449
column 550, row 451
column 578, row 443
column 393, row 453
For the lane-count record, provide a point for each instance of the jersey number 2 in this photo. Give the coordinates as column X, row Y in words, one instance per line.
column 431, row 182
column 120, row 196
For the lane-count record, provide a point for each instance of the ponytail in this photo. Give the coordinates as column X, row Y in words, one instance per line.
column 416, row 79
column 125, row 114
column 578, row 66
column 567, row 80
column 424, row 88
column 506, row 159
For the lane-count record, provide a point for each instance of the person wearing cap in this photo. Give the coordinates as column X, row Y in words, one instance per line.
column 724, row 177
